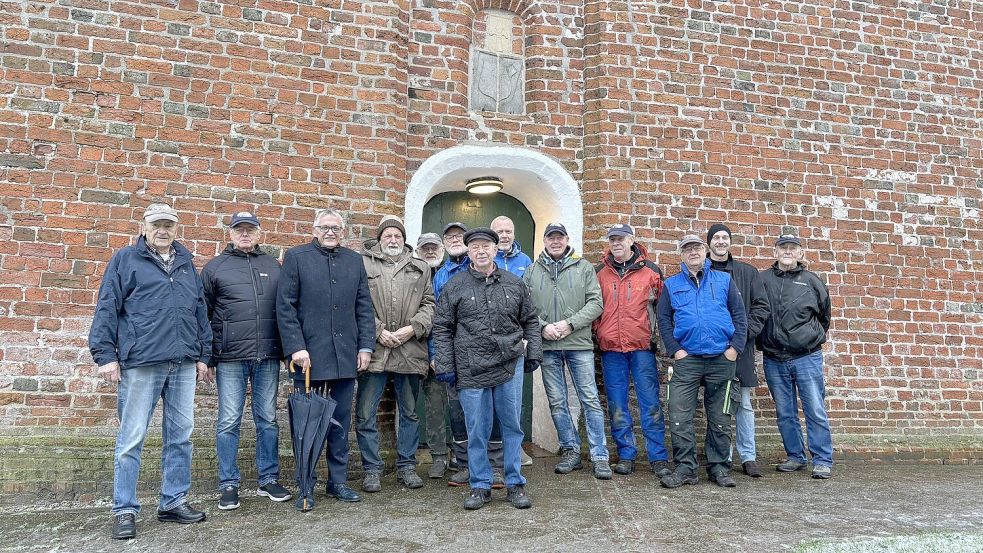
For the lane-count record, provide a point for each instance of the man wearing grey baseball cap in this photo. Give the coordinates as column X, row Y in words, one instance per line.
column 150, row 336
column 704, row 327
column 792, row 343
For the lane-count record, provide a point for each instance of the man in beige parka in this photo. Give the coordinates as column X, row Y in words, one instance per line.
column 402, row 297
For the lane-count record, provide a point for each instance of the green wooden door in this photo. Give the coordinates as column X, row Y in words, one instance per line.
column 478, row 211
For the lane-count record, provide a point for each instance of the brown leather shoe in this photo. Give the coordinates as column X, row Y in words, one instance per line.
column 751, row 469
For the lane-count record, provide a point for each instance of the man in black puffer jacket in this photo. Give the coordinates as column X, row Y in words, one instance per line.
column 756, row 307
column 240, row 291
column 792, row 341
column 486, row 333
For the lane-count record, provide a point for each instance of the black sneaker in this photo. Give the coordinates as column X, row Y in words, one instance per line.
column 477, row 499
column 518, row 497
column 660, row 468
column 790, row 465
column 124, row 526
column 229, row 499
column 274, row 491
column 460, row 478
column 569, row 461
column 677, row 479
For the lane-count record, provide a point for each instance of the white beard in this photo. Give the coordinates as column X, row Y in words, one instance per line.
column 392, row 251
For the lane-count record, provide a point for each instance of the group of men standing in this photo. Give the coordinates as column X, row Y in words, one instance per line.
column 464, row 331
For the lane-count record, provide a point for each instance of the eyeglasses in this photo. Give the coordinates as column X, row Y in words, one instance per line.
column 244, row 230
column 692, row 247
column 453, row 237
column 326, row 229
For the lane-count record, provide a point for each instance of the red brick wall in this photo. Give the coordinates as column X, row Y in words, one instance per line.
column 857, row 123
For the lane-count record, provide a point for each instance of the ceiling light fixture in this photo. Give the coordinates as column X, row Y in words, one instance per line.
column 484, row 185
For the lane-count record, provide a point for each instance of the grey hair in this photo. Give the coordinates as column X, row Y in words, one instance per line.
column 323, row 212
column 501, row 218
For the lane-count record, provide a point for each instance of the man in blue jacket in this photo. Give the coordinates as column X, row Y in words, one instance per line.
column 240, row 290
column 150, row 335
column 327, row 325
column 704, row 327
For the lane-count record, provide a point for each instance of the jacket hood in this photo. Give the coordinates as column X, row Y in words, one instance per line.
column 513, row 251
column 637, row 249
column 799, row 267
column 232, row 250
column 546, row 259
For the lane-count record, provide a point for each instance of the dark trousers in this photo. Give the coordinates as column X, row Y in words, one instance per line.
column 714, row 374
column 336, row 449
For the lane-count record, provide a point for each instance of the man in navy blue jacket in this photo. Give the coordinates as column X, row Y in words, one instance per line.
column 327, row 324
column 704, row 327
column 150, row 335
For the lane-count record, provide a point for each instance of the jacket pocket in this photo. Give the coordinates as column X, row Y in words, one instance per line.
column 225, row 337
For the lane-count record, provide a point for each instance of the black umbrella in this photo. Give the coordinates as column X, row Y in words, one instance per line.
column 310, row 419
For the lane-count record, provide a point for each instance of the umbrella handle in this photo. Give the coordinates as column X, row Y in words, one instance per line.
column 307, row 375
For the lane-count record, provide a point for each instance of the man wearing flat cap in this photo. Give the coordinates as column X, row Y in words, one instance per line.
column 792, row 342
column 402, row 296
column 630, row 287
column 150, row 336
column 486, row 333
column 704, row 327
column 240, row 290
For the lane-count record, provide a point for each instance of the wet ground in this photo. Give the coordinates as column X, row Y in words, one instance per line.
column 570, row 513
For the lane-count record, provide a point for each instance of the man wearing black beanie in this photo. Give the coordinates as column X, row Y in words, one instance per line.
column 756, row 307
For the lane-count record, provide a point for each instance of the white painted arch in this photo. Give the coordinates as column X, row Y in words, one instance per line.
column 537, row 180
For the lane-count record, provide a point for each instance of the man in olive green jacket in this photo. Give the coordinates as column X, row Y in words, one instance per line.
column 568, row 298
column 402, row 297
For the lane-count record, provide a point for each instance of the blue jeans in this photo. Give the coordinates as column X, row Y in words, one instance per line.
column 641, row 366
column 370, row 389
column 231, row 378
column 459, row 430
column 581, row 366
column 483, row 405
column 802, row 377
column 139, row 390
column 744, row 422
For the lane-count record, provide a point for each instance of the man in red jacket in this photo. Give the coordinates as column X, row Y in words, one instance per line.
column 630, row 288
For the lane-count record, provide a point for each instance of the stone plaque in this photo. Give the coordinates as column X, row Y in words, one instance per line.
column 497, row 83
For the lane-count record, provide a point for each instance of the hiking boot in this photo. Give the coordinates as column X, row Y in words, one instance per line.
column 498, row 479
column 342, row 492
column 790, row 465
column 409, row 478
column 677, row 479
column 660, row 468
column 371, row 483
column 526, row 459
column 460, row 478
column 518, row 497
column 822, row 472
column 751, row 469
column 602, row 470
column 624, row 466
column 477, row 499
column 274, row 491
column 229, row 499
column 569, row 461
column 724, row 480
column 438, row 468
column 124, row 526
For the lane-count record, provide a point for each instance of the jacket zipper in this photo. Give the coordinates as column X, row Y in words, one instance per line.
column 252, row 278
